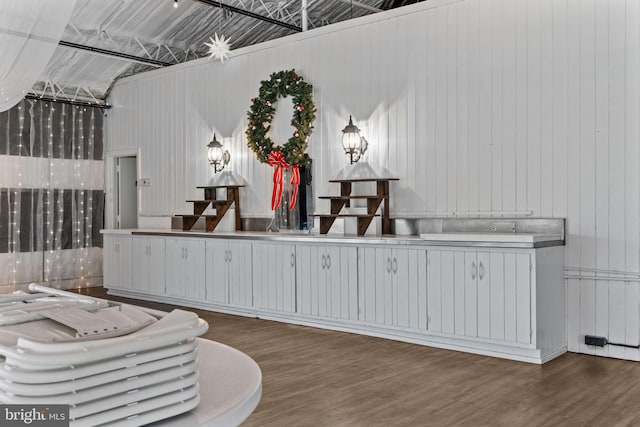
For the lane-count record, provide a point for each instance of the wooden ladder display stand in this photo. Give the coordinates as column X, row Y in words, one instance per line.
column 373, row 203
column 221, row 206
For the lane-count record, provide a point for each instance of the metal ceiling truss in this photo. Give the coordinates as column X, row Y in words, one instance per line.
column 57, row 93
column 362, row 5
column 49, row 98
column 286, row 14
column 251, row 14
column 114, row 54
column 281, row 10
column 276, row 16
column 392, row 4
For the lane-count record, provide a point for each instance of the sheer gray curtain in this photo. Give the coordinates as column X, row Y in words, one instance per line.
column 51, row 195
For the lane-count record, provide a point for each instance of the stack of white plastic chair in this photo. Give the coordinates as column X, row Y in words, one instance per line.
column 113, row 364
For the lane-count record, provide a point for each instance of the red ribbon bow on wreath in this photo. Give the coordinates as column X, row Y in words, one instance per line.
column 277, row 160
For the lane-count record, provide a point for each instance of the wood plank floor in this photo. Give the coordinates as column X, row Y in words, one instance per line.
column 315, row 377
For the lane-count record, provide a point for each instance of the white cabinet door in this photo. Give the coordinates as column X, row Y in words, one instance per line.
column 185, row 268
column 480, row 294
column 229, row 275
column 485, row 308
column 274, row 275
column 393, row 287
column 193, row 266
column 117, row 261
column 239, row 274
column 327, row 281
column 148, row 265
column 518, row 276
column 409, row 269
column 442, row 293
column 216, row 271
column 503, row 295
column 375, row 275
column 470, row 294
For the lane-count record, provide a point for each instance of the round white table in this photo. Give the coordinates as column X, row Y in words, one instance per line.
column 230, row 388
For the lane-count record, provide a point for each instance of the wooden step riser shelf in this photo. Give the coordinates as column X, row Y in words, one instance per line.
column 373, row 204
column 221, row 206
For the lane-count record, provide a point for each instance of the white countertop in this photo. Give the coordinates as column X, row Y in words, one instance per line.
column 515, row 240
column 491, row 237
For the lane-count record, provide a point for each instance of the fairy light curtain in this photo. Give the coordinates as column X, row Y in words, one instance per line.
column 51, row 194
column 29, row 34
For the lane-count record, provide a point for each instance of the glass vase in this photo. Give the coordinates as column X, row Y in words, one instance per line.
column 285, row 218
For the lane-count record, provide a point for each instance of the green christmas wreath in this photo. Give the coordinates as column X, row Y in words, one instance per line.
column 282, row 84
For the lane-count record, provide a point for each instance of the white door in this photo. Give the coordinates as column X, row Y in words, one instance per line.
column 127, row 192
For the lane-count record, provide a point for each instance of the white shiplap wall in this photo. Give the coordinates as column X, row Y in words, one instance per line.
column 503, row 107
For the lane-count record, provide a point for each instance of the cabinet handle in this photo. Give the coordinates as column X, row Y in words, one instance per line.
column 395, row 265
column 328, row 261
column 474, row 270
column 481, row 271
column 230, row 255
column 388, row 265
column 323, row 263
column 293, row 260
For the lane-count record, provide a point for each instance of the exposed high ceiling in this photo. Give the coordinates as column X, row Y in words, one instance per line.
column 109, row 39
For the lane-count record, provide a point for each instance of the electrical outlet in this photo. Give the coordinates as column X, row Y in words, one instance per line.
column 595, row 340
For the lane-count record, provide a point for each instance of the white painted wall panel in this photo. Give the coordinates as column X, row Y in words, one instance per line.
column 478, row 106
